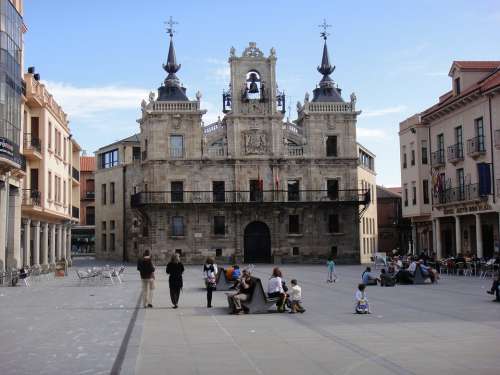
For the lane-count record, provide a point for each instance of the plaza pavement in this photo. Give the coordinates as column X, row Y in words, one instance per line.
column 448, row 328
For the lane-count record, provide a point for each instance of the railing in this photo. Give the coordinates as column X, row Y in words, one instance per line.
column 295, row 150
column 213, row 127
column 75, row 212
column 216, row 151
column 456, row 152
column 75, row 173
column 497, row 138
column 459, row 194
column 32, row 143
column 328, row 107
column 475, row 146
column 176, row 106
column 255, row 196
column 437, row 158
column 177, row 152
column 90, row 195
column 292, row 128
column 32, row 197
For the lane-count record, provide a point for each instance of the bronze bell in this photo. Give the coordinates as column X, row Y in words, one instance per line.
column 254, row 89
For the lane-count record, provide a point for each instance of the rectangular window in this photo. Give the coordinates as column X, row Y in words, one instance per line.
column 479, row 127
column 64, row 193
column 457, row 86
column 218, row 191
column 331, row 145
column 90, row 215
column 177, row 226
column 104, row 242
column 218, row 252
column 103, row 225
column 50, row 136
column 112, row 242
column 404, row 161
column 332, row 188
column 425, row 189
column 424, row 152
column 176, row 146
column 50, row 186
column 112, row 193
column 103, row 194
column 177, row 191
column 295, row 251
column 440, row 142
column 461, row 184
column 136, row 153
column 64, row 148
column 414, row 193
column 406, row 195
column 256, row 194
column 459, row 142
column 112, row 225
column 333, row 223
column 109, row 159
column 293, row 190
column 219, row 225
column 412, row 157
column 293, row 224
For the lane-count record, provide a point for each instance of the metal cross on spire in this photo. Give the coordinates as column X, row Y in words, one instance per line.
column 170, row 28
column 324, row 34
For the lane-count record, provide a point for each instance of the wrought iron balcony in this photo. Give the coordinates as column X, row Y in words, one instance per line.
column 216, row 151
column 456, row 153
column 32, row 197
column 32, row 143
column 437, row 158
column 75, row 173
column 476, row 146
column 90, row 195
column 359, row 197
column 459, row 194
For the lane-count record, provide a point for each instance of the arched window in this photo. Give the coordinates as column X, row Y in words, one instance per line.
column 254, row 86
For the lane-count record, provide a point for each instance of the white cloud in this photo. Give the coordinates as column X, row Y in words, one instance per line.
column 383, row 111
column 87, row 102
column 220, row 70
column 371, row 133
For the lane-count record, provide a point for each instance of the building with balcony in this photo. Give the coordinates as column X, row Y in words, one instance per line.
column 12, row 162
column 368, row 227
column 83, row 233
column 453, row 203
column 51, row 187
column 247, row 188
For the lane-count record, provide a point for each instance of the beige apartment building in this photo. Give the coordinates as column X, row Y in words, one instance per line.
column 51, row 187
column 250, row 187
column 368, row 226
column 450, row 165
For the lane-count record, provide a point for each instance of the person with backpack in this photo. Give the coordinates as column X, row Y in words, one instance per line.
column 210, row 273
column 147, row 271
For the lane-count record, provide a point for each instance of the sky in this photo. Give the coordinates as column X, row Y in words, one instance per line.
column 101, row 58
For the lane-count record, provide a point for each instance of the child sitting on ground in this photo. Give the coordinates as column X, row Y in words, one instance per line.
column 296, row 298
column 361, row 306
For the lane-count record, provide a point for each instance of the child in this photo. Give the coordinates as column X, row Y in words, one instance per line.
column 362, row 306
column 236, row 272
column 296, row 298
column 332, row 277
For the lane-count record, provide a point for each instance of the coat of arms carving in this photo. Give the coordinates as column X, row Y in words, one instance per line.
column 255, row 143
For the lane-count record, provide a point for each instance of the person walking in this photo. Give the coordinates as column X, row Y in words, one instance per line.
column 210, row 273
column 175, row 269
column 146, row 269
column 332, row 277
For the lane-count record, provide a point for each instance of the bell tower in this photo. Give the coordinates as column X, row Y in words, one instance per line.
column 253, row 105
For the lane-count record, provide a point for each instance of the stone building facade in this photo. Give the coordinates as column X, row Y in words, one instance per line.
column 250, row 187
column 450, row 165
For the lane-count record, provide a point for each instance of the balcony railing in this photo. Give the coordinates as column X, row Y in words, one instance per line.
column 255, row 196
column 459, row 194
column 32, row 143
column 216, row 151
column 177, row 152
column 75, row 212
column 75, row 173
column 295, row 150
column 32, row 197
column 476, row 146
column 437, row 158
column 497, row 138
column 90, row 195
column 456, row 153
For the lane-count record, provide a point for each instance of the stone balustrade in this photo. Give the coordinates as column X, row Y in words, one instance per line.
column 159, row 106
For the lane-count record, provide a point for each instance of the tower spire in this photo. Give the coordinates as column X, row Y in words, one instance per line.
column 171, row 90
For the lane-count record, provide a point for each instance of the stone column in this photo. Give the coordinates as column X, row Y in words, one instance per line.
column 437, row 236
column 479, row 237
column 14, row 229
column 458, row 236
column 36, row 243
column 26, row 242
column 52, row 244
column 68, row 244
column 44, row 245
column 59, row 241
column 3, row 230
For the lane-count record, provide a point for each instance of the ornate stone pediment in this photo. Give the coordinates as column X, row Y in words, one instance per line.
column 256, row 142
column 252, row 51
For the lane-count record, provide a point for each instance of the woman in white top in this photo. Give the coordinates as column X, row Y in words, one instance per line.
column 210, row 274
column 275, row 289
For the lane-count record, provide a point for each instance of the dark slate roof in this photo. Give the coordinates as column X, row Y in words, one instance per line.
column 171, row 90
column 327, row 94
column 172, row 93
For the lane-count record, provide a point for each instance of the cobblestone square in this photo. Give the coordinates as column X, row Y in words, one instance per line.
column 59, row 326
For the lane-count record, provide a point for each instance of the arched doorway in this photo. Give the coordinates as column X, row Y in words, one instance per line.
column 257, row 243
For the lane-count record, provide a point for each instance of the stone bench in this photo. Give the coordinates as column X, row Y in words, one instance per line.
column 258, row 302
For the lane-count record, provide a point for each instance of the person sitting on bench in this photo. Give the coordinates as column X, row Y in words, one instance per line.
column 427, row 271
column 368, row 278
column 495, row 289
column 275, row 289
column 247, row 285
column 386, row 279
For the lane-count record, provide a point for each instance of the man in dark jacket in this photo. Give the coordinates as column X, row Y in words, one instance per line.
column 146, row 269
